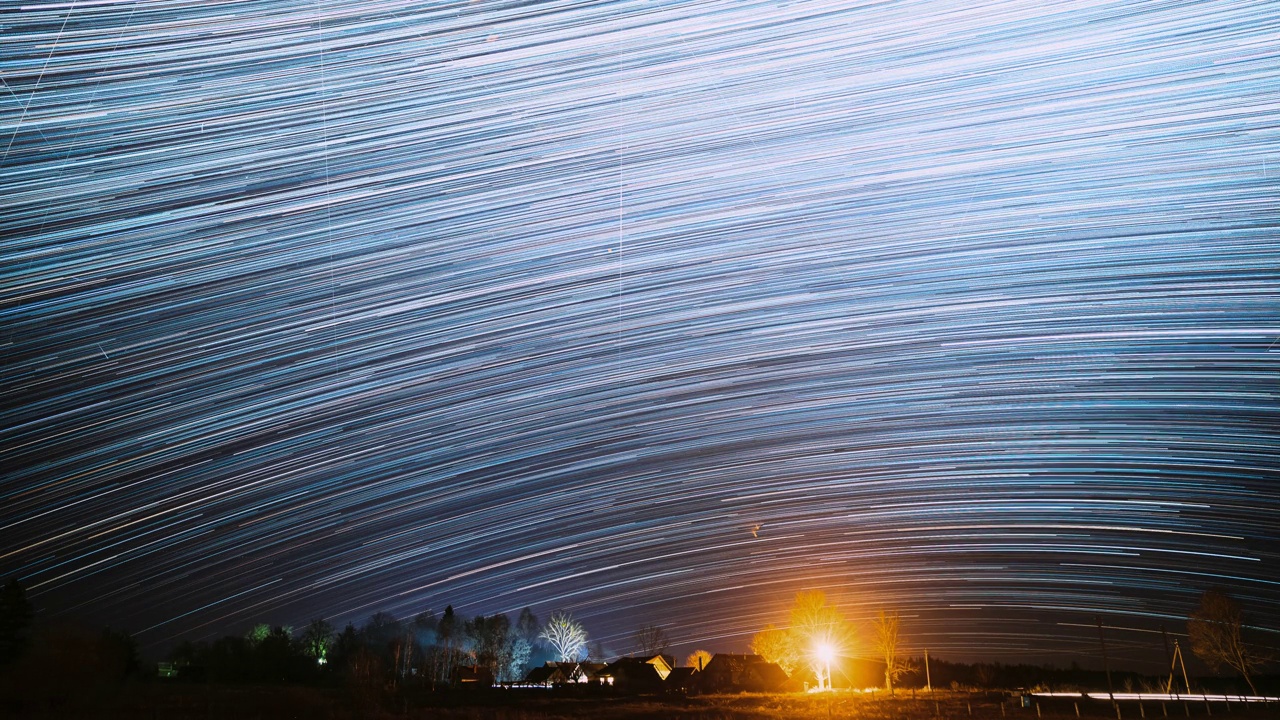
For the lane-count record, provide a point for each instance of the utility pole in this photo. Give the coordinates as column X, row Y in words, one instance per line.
column 1182, row 663
column 1106, row 664
column 1173, row 665
column 928, row 683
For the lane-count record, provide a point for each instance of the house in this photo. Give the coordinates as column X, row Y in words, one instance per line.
column 472, row 676
column 633, row 675
column 767, row 677
column 680, row 680
column 589, row 670
column 554, row 674
column 548, row 675
column 729, row 672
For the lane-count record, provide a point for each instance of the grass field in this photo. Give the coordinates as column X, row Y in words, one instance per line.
column 197, row 702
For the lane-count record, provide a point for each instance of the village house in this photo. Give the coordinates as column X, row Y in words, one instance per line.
column 728, row 672
column 555, row 674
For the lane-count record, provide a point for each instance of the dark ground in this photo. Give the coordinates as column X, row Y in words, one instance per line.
column 160, row 701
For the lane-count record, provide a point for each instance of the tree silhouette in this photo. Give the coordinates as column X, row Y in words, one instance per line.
column 491, row 643
column 317, row 639
column 344, row 648
column 525, row 635
column 447, row 651
column 651, row 640
column 15, row 621
column 1216, row 638
column 527, row 625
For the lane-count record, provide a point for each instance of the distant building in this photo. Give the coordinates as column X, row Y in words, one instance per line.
column 728, row 672
column 634, row 675
column 680, row 680
column 471, row 676
column 548, row 675
column 554, row 674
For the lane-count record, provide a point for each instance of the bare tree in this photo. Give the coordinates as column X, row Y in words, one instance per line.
column 886, row 638
column 651, row 640
column 699, row 659
column 596, row 653
column 1215, row 630
column 566, row 635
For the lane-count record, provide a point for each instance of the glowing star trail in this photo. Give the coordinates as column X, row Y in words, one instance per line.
column 650, row 311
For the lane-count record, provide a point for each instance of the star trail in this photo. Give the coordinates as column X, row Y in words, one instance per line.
column 657, row 312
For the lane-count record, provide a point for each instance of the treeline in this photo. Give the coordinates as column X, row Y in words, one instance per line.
column 1073, row 678
column 428, row 650
column 946, row 675
column 46, row 665
column 431, row 651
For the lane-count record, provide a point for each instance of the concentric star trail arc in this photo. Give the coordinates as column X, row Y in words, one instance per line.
column 653, row 311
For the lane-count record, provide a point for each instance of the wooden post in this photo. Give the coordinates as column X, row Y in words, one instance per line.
column 1177, row 657
column 928, row 681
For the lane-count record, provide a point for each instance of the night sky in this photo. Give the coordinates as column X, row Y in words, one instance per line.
column 657, row 312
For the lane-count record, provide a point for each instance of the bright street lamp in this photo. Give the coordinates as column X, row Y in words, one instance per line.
column 826, row 654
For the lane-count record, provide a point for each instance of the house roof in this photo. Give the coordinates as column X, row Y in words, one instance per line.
column 660, row 663
column 631, row 669
column 721, row 661
column 681, row 676
column 542, row 674
column 556, row 672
